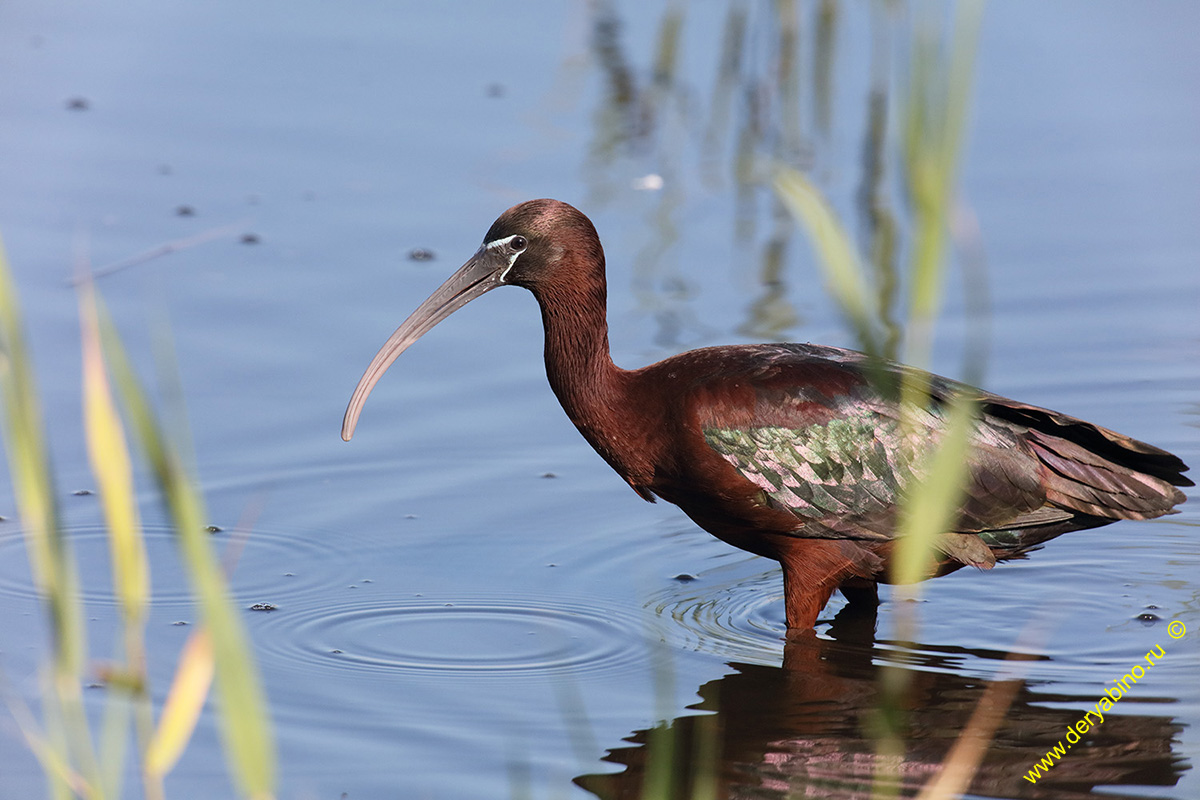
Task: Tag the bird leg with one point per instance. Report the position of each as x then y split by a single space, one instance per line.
813 569
861 593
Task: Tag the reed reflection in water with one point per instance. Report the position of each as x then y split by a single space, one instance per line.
813 726
772 102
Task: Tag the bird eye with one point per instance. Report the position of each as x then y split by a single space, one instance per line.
518 243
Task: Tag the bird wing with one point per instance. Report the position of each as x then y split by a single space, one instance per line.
822 433
845 468
822 437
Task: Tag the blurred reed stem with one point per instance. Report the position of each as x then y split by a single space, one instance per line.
933 125
76 765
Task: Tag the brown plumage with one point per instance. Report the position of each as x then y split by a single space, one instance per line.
794 452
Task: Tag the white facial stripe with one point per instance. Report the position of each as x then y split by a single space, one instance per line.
512 258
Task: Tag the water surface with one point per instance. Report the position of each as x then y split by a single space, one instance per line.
467 602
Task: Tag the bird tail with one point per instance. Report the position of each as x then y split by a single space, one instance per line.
1135 483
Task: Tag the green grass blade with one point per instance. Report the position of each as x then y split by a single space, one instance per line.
935 125
932 504
29 464
245 723
837 256
49 557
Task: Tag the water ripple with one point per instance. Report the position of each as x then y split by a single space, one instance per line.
272 565
731 615
451 636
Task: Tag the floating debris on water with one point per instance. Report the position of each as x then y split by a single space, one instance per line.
648 183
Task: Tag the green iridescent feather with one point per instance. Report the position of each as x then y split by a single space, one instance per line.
854 467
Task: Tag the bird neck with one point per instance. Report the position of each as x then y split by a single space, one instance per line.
598 396
578 364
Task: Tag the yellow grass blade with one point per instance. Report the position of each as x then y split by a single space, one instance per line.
963 760
51 757
112 469
193 677
245 722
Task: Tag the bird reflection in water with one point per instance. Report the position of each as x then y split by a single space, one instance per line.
805 729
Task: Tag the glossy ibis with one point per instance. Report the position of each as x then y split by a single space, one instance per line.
791 451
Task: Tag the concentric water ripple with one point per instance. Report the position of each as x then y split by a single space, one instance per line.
731 615
272 566
451 636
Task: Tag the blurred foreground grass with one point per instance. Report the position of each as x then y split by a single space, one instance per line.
82 757
933 109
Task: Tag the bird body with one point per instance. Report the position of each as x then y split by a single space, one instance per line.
801 453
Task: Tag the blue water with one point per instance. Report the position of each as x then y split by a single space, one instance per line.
452 622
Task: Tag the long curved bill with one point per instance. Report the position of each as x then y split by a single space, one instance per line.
484 272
